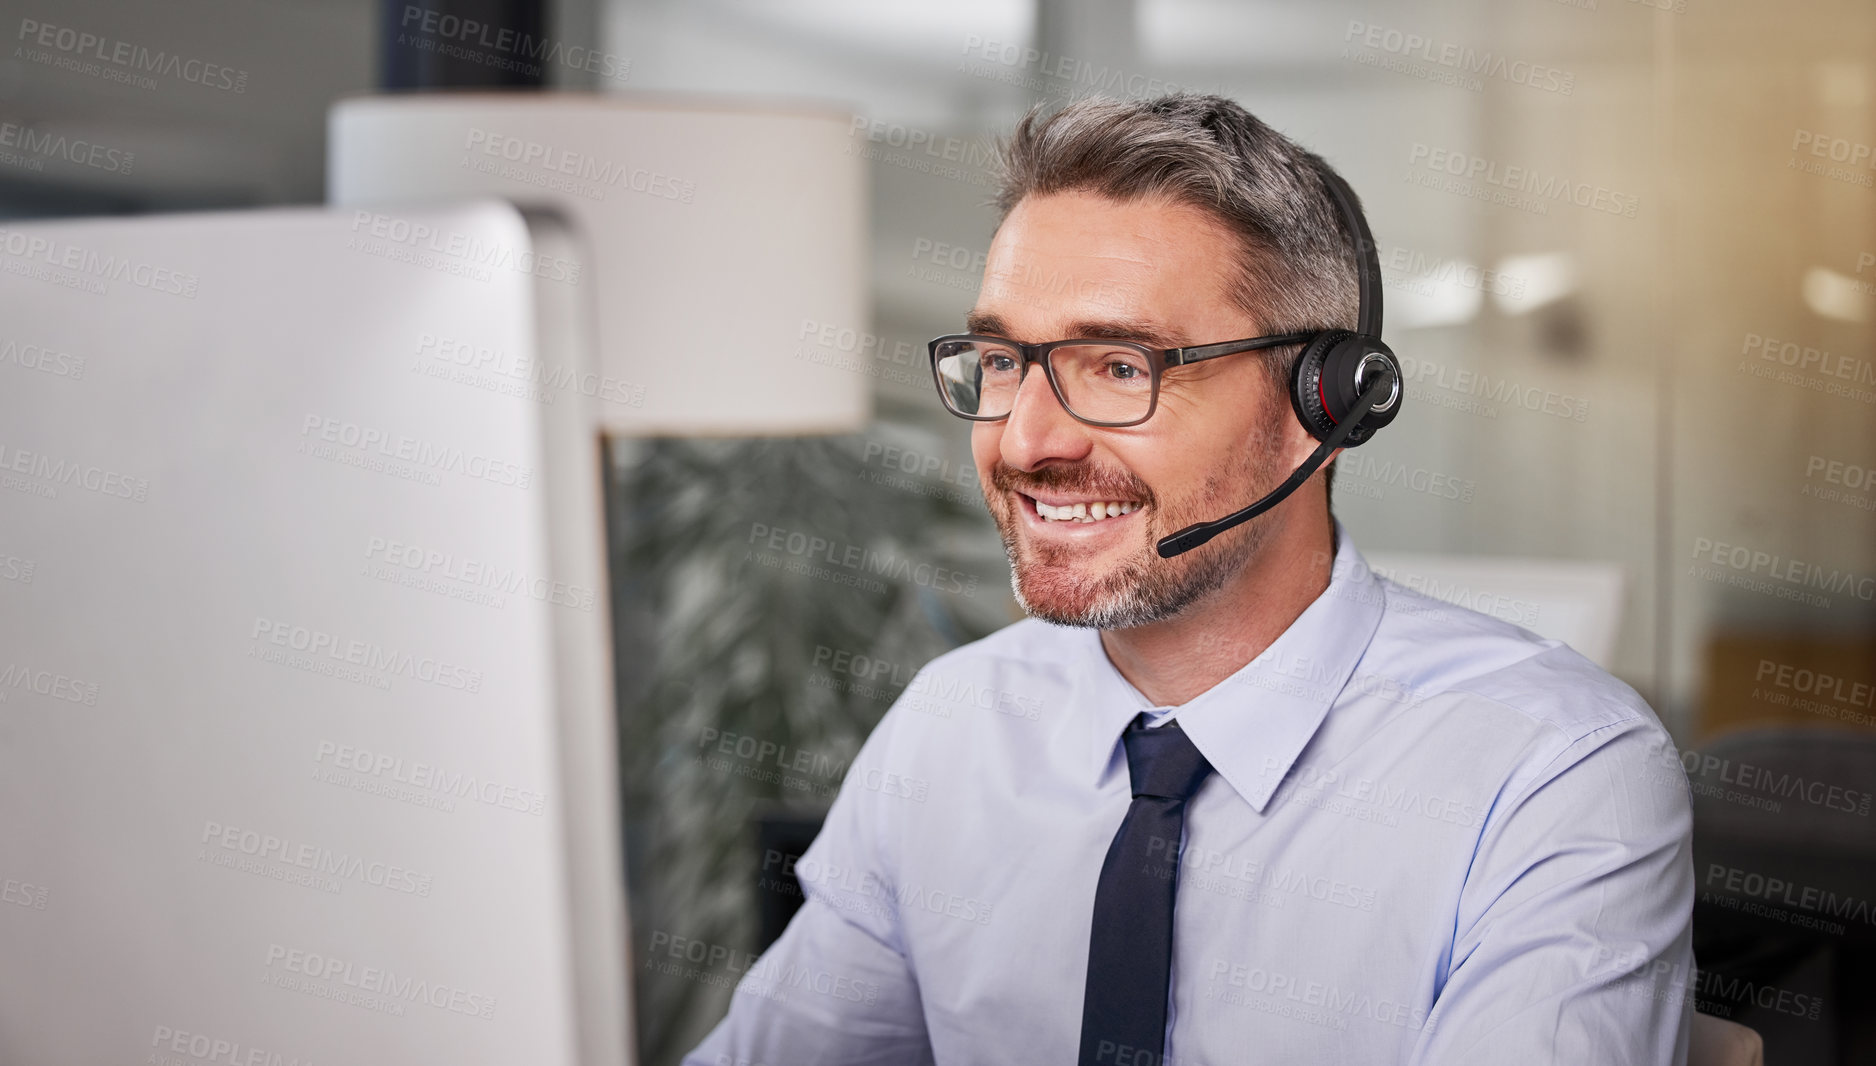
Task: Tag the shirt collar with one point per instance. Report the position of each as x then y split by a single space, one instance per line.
1252 725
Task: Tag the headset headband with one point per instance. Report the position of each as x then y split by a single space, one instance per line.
1367 258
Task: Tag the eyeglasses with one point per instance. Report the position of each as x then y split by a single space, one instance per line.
1101 383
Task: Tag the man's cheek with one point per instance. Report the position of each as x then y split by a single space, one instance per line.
985 438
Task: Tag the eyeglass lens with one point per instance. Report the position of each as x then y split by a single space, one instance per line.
1103 383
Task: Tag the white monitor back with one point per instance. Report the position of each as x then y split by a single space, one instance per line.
305 744
732 234
1577 602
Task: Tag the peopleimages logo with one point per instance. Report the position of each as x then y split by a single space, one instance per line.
578 165
221 842
1796 572
1056 72
130 60
1411 266
1387 472
389 236
1838 472
317 645
57 145
51 472
320 434
862 560
503 48
40 358
1758 886
430 562
426 776
1809 359
377 980
1458 57
215 1049
756 750
1523 179
94 266
968 153
23 894
1859 158
51 683
1425 375
1694 764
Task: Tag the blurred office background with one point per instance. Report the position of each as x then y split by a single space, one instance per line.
1630 252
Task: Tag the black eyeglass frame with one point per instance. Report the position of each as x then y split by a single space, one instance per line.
1158 360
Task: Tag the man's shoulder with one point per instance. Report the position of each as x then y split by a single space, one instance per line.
1020 672
1452 654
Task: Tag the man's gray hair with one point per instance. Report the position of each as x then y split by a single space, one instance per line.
1297 271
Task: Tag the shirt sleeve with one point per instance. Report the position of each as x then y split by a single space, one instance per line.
836 987
1574 937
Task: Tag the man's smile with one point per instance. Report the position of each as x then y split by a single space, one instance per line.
1076 517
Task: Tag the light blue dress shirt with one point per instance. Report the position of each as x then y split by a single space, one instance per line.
1431 837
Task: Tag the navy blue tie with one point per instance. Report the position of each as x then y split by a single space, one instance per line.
1123 1013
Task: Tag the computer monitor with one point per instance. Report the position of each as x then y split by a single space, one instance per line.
306 742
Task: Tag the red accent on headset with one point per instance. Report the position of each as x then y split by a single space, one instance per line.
1325 402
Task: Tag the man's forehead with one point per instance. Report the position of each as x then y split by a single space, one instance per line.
1084 239
1094 220
1076 259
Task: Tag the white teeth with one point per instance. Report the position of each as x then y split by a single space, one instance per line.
1085 512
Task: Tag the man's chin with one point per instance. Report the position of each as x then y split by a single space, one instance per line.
1071 586
1053 610
1078 592
1121 589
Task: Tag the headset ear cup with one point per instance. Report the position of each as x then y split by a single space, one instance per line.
1306 391
1325 385
1342 379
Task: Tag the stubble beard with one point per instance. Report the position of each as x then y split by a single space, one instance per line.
1052 582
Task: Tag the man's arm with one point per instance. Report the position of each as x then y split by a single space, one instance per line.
824 992
836 986
1574 938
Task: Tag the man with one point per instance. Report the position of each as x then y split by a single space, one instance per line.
1250 803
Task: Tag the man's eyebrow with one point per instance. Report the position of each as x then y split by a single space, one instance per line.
1152 334
985 322
1149 333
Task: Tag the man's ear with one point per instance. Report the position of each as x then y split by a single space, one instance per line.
1299 445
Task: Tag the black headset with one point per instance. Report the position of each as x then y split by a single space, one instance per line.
1346 384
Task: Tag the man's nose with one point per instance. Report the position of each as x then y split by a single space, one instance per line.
1039 427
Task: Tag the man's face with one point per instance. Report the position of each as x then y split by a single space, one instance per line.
1080 265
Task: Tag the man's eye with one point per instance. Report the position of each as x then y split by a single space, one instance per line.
1123 371
1001 362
